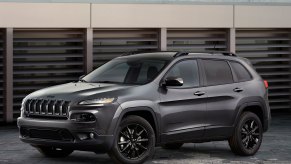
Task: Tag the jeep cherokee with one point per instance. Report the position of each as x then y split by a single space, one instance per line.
133 103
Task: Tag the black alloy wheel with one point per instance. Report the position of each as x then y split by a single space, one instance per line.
247 136
134 142
250 134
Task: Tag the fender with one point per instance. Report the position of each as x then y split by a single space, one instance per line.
249 101
140 105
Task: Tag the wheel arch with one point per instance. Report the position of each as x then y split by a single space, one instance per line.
142 111
255 106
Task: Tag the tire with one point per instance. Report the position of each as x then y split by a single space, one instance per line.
172 146
134 142
53 152
247 136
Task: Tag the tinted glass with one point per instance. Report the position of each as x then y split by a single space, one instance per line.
241 72
188 71
217 72
126 71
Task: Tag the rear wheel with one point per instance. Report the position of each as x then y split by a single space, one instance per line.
53 152
248 135
172 146
134 142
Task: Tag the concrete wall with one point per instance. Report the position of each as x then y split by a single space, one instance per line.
77 15
270 2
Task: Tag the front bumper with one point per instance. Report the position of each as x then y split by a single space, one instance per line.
45 132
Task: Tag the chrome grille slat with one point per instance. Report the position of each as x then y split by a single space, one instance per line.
46 108
61 108
54 107
40 105
29 103
32 106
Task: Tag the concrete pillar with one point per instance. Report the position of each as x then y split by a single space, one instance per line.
163 39
88 58
8 75
231 40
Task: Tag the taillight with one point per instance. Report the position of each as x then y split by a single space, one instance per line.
266 83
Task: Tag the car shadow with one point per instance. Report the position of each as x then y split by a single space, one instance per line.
198 152
204 153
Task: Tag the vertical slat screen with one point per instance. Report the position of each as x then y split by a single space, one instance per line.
45 57
197 40
1 74
111 43
269 50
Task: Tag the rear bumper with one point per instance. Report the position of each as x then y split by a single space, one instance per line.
63 134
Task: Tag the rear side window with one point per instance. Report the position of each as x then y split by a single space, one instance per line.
217 72
240 71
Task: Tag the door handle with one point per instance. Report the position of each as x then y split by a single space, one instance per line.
237 89
199 93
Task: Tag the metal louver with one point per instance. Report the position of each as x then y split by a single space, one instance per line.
1 75
269 50
197 40
45 57
111 43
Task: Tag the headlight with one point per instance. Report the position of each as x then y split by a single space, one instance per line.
97 101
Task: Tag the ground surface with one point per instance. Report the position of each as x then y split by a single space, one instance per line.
276 148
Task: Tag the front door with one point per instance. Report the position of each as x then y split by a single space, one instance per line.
183 108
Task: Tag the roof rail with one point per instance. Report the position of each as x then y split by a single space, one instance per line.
181 54
228 54
130 53
225 53
137 52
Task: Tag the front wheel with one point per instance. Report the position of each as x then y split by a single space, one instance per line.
134 142
53 152
248 135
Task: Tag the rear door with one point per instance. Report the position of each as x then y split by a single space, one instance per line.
222 97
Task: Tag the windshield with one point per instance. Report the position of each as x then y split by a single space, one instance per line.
126 71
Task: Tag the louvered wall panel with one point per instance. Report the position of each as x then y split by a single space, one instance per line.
1 74
269 50
45 57
111 43
197 40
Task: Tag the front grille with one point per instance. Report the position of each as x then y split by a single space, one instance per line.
42 108
49 134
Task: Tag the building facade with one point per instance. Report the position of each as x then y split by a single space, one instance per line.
54 42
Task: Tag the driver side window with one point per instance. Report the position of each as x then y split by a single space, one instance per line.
188 71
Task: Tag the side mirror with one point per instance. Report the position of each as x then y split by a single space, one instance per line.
173 81
81 77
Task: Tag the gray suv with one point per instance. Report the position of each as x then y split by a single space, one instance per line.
134 103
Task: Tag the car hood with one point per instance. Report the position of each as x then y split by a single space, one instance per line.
79 90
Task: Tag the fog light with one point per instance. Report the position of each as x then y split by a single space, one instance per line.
82 117
83 136
86 136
